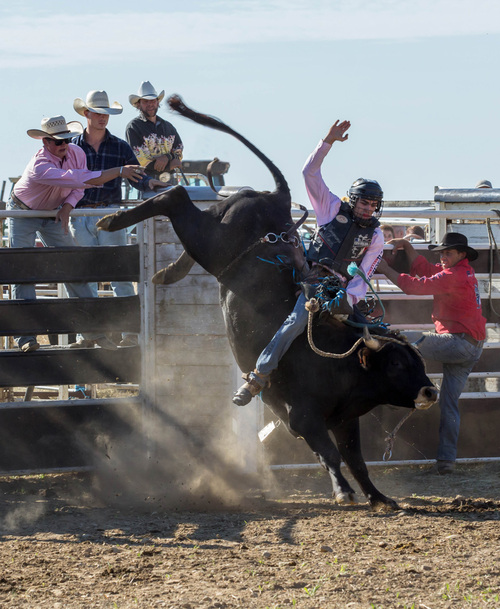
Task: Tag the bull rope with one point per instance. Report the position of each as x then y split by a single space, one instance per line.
389 440
313 307
325 353
353 270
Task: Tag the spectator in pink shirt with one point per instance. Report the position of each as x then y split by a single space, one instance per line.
55 179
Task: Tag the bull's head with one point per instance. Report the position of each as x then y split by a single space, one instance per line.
427 395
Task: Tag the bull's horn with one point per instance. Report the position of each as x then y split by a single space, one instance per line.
370 342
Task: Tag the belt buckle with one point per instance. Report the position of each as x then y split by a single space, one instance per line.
17 202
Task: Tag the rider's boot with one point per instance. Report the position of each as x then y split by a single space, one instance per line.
255 383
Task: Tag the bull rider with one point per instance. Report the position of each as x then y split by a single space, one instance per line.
348 231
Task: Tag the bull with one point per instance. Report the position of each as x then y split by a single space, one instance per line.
244 241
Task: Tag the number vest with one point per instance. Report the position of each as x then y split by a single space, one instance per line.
341 241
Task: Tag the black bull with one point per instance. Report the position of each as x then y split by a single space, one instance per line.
312 395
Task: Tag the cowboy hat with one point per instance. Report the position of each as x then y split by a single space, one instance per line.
483 184
98 102
56 128
146 91
455 241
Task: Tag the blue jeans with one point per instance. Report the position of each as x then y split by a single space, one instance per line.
86 234
23 233
458 357
292 327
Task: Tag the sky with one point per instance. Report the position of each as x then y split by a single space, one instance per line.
418 79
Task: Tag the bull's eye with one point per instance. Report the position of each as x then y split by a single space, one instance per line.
397 364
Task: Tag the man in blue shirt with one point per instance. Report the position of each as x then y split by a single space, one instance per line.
103 151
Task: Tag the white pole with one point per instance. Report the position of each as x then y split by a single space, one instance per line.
387 463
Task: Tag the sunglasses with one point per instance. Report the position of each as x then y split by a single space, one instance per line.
57 142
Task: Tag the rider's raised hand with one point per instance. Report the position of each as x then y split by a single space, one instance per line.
337 132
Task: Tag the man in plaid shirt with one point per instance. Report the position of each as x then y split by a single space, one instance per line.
104 150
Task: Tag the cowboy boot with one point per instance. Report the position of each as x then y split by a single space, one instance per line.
255 383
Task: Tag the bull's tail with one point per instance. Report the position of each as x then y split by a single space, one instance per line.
178 105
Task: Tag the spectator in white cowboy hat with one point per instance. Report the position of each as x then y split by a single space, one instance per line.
155 141
104 150
460 325
483 184
55 178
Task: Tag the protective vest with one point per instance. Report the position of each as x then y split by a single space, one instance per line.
341 241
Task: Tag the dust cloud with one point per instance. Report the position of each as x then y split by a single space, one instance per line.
162 460
29 512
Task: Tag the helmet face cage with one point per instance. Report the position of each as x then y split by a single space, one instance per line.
366 189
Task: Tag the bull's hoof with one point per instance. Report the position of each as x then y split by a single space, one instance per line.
107 222
384 504
175 271
346 498
168 275
242 397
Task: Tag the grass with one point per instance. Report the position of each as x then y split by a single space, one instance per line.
312 591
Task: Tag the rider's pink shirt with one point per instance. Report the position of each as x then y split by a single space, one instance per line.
327 205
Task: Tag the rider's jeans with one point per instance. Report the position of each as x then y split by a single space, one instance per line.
458 357
292 327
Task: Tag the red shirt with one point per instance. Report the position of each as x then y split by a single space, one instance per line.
457 304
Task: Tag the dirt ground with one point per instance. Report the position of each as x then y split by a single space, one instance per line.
289 545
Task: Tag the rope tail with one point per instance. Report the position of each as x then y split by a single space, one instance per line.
177 104
353 269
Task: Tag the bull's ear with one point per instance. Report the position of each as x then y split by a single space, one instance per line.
364 355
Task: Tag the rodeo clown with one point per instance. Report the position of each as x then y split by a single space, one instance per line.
347 232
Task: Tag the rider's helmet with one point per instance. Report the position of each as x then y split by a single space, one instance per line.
364 188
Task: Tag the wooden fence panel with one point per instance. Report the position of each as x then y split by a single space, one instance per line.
189 319
202 292
55 366
67 264
34 438
189 350
69 315
34 435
